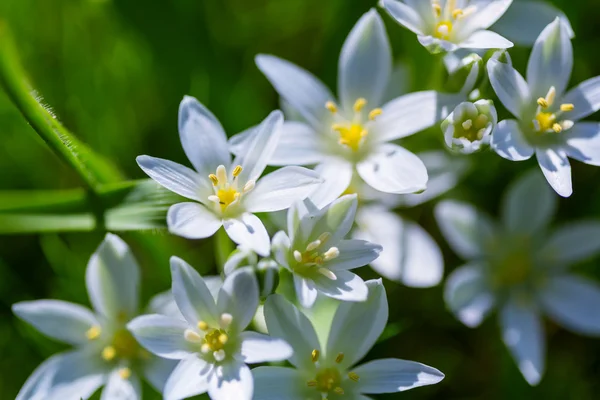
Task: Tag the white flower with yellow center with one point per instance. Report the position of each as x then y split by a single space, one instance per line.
547 118
210 341
354 133
105 353
328 370
449 25
469 127
226 193
521 267
315 252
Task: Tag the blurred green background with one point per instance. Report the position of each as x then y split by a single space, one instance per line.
114 72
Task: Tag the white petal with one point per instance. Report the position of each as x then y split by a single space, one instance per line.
465 228
524 20
337 219
234 382
366 320
286 322
306 291
301 89
573 302
353 254
189 378
79 374
467 294
486 40
164 303
191 294
557 170
258 348
239 297
280 189
487 13
406 16
299 144
509 142
280 246
118 388
529 204
163 336
336 174
176 177
346 287
509 85
571 243
435 45
583 142
551 61
365 63
250 232
37 386
276 383
192 221
259 149
391 375
523 334
157 370
202 137
585 97
407 115
60 320
113 279
393 169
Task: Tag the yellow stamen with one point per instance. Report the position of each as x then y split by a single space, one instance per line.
351 136
567 107
557 128
330 105
226 320
223 338
93 333
353 376
359 104
109 353
213 179
237 170
192 336
323 237
376 112
125 373
437 9
545 121
339 358
203 326
551 95
542 102
311 383
314 356
338 390
457 13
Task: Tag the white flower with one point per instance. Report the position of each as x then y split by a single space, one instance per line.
547 121
469 127
449 25
316 253
105 352
354 134
226 193
520 267
210 342
328 370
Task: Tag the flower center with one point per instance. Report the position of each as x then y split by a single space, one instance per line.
313 257
547 120
352 133
447 17
329 379
472 129
215 339
443 30
514 267
226 189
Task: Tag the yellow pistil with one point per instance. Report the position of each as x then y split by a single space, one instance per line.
125 373
545 121
353 376
227 196
314 355
328 379
351 136
93 333
443 30
216 339
109 353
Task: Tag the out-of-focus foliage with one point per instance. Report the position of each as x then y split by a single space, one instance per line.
114 72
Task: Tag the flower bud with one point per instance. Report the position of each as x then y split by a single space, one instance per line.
467 74
267 273
469 127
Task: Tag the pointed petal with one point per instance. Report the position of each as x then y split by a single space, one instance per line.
337 219
392 375
189 378
286 322
160 335
280 189
250 232
407 16
157 370
571 243
305 291
557 170
585 97
529 204
233 382
509 142
79 374
573 301
365 63
488 12
302 90
583 142
346 287
509 85
366 320
523 334
353 254
202 137
393 169
118 388
336 174
280 246
113 279
239 297
60 320
467 294
192 296
276 383
38 384
485 40
164 303
192 221
466 229
299 144
176 177
258 348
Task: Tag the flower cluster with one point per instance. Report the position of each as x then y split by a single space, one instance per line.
341 177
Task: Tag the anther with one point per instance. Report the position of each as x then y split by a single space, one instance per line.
93 333
376 112
226 320
313 245
437 9
312 383
364 133
567 124
314 355
332 253
223 338
557 128
237 170
339 358
109 353
323 237
481 120
338 390
249 186
551 95
542 102
221 174
205 348
192 336
359 104
214 198
297 256
213 178
353 376
567 107
457 13
125 373
219 355
331 107
203 326
467 124
338 127
327 273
